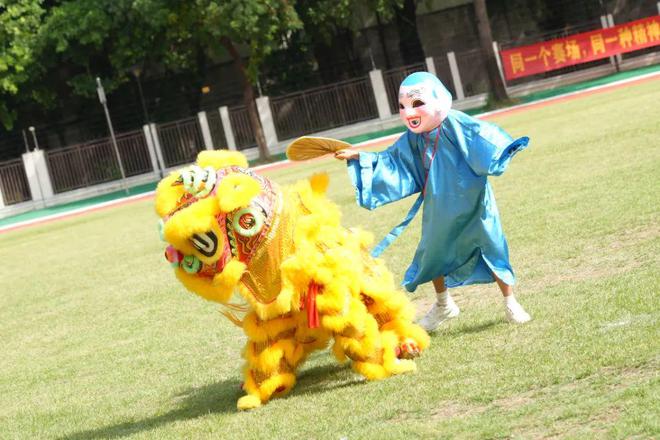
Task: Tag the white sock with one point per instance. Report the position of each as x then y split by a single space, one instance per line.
514 311
510 301
443 298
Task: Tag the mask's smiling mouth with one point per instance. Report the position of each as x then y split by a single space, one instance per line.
414 122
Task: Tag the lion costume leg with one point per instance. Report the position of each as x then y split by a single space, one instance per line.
393 311
272 355
358 336
394 314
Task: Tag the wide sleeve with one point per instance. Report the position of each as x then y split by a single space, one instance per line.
387 176
486 147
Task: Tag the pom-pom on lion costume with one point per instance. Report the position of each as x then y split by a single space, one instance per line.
305 278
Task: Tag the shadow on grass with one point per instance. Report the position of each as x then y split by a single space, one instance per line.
322 378
216 398
221 397
475 328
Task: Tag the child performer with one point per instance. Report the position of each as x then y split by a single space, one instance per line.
446 156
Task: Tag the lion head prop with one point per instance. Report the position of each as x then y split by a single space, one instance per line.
305 280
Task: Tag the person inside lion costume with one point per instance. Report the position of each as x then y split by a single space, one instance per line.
305 280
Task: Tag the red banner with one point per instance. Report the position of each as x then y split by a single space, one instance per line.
580 48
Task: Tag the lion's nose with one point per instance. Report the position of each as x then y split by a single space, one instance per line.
173 256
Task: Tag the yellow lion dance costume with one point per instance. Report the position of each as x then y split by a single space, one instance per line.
305 278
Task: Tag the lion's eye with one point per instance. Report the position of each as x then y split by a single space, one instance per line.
248 221
205 243
418 103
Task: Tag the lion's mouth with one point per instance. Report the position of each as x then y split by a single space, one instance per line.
206 243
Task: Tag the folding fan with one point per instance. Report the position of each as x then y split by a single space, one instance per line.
309 147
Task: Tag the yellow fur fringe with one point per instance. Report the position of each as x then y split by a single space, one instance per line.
235 191
221 159
358 303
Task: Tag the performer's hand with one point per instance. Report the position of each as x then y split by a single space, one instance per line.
346 154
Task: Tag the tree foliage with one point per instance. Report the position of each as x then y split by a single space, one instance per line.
82 39
322 50
50 49
259 25
322 19
19 25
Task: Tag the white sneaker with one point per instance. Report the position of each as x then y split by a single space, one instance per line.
516 314
439 314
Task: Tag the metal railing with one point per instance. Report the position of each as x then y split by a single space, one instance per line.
134 153
13 182
180 141
473 71
95 162
393 78
307 111
587 26
240 125
443 72
322 108
538 37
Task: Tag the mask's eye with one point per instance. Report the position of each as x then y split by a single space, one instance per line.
205 243
400 106
418 103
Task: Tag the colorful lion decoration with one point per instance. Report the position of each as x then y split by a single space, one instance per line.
305 280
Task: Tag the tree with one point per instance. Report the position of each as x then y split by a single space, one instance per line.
51 50
19 23
486 42
330 25
406 23
259 25
107 37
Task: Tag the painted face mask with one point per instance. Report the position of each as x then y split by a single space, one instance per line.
424 102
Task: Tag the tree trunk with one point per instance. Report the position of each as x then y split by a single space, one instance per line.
410 47
255 122
486 41
248 99
383 46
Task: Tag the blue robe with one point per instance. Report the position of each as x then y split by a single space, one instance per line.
462 237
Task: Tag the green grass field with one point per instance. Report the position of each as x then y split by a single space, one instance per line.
100 341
